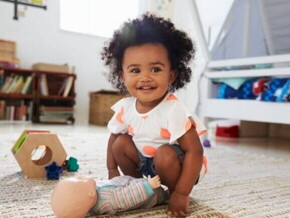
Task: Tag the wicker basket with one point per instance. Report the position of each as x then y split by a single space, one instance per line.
100 106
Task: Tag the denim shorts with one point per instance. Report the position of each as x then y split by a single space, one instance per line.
146 164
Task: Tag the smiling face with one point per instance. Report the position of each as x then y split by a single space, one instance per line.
147 73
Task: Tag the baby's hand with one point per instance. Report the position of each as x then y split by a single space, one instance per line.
154 182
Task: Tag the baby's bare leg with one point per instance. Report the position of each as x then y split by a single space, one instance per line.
167 166
126 156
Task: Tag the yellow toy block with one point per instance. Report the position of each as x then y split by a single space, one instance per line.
36 149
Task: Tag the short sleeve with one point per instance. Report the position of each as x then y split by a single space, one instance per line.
117 124
180 120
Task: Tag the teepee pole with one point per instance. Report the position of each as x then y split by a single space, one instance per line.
269 42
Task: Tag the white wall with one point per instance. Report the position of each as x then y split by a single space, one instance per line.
39 39
183 19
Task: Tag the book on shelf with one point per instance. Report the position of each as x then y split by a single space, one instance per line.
29 111
18 86
68 86
1 77
7 83
11 112
55 108
43 85
12 84
62 88
2 109
26 85
56 119
16 111
56 113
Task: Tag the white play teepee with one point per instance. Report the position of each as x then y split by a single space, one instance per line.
254 28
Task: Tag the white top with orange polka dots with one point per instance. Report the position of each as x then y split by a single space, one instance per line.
164 124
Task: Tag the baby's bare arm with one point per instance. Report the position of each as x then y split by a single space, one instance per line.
111 162
179 198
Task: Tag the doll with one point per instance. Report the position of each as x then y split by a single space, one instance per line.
75 197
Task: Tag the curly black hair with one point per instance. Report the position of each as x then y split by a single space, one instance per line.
149 29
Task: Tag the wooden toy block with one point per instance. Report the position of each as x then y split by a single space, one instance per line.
46 144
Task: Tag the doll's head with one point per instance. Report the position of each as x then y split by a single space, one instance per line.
74 197
158 34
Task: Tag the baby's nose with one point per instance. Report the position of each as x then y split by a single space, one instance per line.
146 79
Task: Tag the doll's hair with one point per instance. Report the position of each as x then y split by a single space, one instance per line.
149 29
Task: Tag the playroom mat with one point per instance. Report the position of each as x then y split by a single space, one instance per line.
238 184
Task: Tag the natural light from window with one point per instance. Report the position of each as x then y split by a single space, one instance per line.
96 17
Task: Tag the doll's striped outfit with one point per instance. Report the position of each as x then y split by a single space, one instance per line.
123 193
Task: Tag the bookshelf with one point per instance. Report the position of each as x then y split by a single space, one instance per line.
16 94
37 96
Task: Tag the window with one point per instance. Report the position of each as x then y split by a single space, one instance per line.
96 17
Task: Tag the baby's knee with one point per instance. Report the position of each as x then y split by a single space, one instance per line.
164 156
120 142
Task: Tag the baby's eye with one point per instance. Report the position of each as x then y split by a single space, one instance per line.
156 69
135 70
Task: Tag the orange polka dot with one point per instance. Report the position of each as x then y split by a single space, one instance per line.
171 97
145 117
149 150
188 125
204 162
120 115
130 130
164 133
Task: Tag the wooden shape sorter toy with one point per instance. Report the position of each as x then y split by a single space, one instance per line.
35 149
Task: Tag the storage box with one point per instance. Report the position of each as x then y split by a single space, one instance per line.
100 106
5 56
7 46
8 54
51 67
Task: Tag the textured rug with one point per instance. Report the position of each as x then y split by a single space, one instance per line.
238 184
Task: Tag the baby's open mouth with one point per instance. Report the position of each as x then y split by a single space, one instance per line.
146 88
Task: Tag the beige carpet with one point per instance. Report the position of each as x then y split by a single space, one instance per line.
238 184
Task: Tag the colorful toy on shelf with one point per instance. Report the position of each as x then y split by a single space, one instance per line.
259 86
53 171
36 149
244 91
274 88
284 94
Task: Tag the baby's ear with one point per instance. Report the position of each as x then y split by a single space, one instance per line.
121 73
173 75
